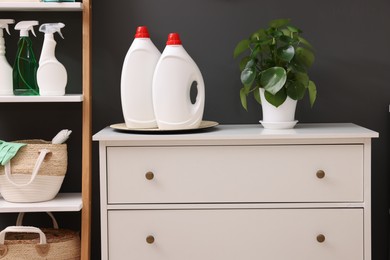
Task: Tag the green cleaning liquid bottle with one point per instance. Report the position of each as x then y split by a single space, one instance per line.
25 66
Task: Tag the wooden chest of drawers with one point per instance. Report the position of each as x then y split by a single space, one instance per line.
237 192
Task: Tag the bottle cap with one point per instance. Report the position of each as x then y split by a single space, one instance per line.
142 32
173 39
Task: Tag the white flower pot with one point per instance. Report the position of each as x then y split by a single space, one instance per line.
282 117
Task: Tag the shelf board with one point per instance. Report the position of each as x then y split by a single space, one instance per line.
40 99
40 6
63 202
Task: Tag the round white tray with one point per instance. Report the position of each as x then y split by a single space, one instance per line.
203 125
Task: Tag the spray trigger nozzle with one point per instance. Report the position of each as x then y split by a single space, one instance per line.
25 26
4 24
33 32
52 28
59 32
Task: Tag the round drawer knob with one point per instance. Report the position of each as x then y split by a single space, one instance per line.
149 176
321 238
320 174
150 239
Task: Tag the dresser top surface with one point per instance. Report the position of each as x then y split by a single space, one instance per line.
245 132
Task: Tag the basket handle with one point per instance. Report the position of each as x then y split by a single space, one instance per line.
42 248
21 229
19 220
37 166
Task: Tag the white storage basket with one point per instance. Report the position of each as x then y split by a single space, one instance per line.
36 173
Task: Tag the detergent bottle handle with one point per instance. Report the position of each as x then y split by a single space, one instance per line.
197 107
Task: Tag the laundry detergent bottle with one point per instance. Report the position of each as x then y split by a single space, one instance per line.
136 81
25 65
6 88
176 73
51 76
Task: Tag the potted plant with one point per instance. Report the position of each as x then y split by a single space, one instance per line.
276 71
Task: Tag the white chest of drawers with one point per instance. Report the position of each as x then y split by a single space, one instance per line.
237 192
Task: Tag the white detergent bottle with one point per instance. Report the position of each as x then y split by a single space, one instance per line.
6 87
136 81
52 76
176 73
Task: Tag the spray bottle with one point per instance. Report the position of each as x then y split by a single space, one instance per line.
25 66
51 76
5 68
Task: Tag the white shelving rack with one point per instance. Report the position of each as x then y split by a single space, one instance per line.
41 6
39 99
65 202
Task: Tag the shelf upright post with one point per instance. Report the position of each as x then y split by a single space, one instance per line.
86 133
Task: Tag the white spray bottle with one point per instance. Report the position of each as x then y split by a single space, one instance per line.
51 76
6 88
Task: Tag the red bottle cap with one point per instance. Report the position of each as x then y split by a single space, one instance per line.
173 39
142 32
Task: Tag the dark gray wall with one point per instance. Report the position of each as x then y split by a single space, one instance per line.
352 42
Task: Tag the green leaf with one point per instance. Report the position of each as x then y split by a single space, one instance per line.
286 32
305 42
247 89
295 90
268 63
260 35
256 95
286 53
294 29
243 98
277 99
273 79
286 39
296 66
255 51
248 75
251 63
265 43
277 33
305 57
241 47
244 62
302 77
279 23
312 92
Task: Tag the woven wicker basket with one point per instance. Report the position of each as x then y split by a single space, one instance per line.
36 172
31 243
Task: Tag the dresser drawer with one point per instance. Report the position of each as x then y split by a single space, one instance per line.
232 234
212 174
